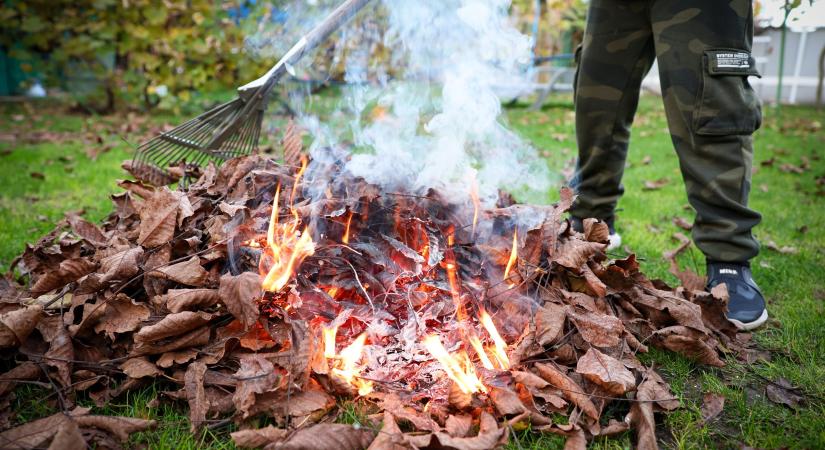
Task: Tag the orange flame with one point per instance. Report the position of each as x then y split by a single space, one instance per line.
513 256
454 290
285 244
458 367
476 203
499 348
482 354
345 239
348 368
329 341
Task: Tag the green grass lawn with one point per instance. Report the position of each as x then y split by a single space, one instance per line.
45 171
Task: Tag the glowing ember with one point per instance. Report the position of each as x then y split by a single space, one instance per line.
513 257
458 367
499 349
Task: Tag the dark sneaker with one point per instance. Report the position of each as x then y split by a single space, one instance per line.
746 307
615 238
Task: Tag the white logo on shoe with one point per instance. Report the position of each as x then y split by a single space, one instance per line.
728 271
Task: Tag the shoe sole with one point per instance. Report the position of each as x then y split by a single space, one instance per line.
615 242
751 325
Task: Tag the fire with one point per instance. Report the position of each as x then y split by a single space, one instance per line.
458 367
347 361
499 348
513 256
476 203
329 341
345 239
482 354
452 277
286 246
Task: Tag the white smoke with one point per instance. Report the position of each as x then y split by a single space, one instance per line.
446 134
440 124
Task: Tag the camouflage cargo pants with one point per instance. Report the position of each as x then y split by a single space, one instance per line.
703 50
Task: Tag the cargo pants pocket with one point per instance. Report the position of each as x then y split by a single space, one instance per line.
726 103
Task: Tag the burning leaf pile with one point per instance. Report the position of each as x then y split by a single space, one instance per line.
271 290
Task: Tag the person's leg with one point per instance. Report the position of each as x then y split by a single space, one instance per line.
703 48
616 54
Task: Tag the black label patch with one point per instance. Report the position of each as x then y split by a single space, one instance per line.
730 62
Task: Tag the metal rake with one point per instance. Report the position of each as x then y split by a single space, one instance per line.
233 128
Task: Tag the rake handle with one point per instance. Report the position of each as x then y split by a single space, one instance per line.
254 93
307 43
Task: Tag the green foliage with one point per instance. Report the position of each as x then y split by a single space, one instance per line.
134 52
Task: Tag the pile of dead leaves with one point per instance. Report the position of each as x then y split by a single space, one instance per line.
166 291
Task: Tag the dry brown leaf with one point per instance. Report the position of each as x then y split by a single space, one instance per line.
549 323
256 375
682 223
121 266
598 329
32 434
712 406
195 394
172 325
177 300
15 326
489 436
458 425
293 144
169 359
119 426
783 392
69 270
576 440
641 416
68 437
259 437
606 371
158 257
573 253
139 367
393 404
61 355
655 185
23 372
569 389
159 216
327 436
120 314
596 231
86 230
689 343
506 401
240 294
195 338
189 272
391 438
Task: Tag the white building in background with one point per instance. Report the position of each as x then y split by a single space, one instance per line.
800 74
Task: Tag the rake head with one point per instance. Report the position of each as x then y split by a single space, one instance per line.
225 131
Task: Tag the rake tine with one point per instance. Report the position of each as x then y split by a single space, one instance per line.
233 128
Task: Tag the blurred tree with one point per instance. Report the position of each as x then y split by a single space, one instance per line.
114 53
561 24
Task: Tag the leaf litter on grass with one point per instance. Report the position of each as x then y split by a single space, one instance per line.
155 293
